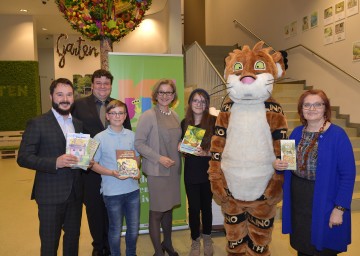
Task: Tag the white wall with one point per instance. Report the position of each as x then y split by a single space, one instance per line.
268 19
19 30
74 65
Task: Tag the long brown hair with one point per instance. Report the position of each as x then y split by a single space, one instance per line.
206 123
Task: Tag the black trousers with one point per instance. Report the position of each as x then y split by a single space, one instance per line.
56 217
200 201
96 211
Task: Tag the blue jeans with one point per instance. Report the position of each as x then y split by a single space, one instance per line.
118 207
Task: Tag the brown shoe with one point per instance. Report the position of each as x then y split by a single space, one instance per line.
208 245
195 247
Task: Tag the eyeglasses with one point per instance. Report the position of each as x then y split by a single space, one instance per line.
106 84
161 93
116 113
316 105
196 102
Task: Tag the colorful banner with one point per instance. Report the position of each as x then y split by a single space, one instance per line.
134 77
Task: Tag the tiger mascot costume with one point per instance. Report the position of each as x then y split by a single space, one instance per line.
245 144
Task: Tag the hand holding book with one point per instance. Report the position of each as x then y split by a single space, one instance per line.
127 164
192 140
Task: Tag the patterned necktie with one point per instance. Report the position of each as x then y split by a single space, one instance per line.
102 113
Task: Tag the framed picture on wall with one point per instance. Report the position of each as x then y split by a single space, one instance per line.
339 11
328 34
293 28
314 19
305 23
328 15
352 7
286 31
356 51
339 31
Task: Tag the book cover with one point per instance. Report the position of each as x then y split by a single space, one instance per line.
192 139
127 164
288 153
81 146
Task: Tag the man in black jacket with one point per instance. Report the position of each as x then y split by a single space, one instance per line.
91 111
57 188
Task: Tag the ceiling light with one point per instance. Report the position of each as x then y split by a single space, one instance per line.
23 10
44 29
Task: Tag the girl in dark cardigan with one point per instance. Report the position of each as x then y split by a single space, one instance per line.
197 184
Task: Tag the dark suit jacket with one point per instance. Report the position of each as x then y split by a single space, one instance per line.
42 143
86 111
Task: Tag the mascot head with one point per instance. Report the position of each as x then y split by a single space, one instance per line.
250 74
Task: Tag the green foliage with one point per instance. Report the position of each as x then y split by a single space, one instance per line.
82 85
99 19
19 93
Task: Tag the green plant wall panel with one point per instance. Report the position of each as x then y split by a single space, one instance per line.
19 94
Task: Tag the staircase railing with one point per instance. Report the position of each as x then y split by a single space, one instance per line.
201 73
302 46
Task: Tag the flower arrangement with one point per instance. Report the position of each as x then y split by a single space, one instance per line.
98 19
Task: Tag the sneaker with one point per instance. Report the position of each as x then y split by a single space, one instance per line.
208 245
195 247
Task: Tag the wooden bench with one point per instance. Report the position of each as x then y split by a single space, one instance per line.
9 143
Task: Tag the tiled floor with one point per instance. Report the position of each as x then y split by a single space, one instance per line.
19 223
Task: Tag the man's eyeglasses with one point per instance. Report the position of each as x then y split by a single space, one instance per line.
103 84
196 102
116 113
316 105
161 93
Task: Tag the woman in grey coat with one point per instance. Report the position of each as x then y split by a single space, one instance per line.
157 136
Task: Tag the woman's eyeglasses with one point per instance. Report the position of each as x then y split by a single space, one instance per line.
196 102
316 105
161 93
116 113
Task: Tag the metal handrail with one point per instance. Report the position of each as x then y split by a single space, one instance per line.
252 33
303 46
327 61
213 82
209 61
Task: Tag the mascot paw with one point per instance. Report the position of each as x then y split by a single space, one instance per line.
223 198
229 205
219 192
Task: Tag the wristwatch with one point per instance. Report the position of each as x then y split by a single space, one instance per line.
340 208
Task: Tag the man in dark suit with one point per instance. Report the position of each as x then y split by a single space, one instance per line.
91 111
57 188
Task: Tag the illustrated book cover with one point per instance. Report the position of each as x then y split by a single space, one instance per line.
126 162
288 153
192 139
81 146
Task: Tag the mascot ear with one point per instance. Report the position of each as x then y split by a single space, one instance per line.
280 59
284 56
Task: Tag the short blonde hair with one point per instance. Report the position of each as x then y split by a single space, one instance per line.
157 86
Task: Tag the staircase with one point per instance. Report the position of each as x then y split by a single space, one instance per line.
217 55
287 95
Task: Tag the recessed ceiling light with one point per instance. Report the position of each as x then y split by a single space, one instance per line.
44 29
23 10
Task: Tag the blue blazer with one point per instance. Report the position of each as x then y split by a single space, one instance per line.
334 185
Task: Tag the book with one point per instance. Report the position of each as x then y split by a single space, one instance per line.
81 146
192 139
127 164
288 153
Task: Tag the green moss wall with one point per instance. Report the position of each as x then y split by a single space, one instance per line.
19 94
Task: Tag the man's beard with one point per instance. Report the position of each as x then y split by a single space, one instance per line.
62 112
